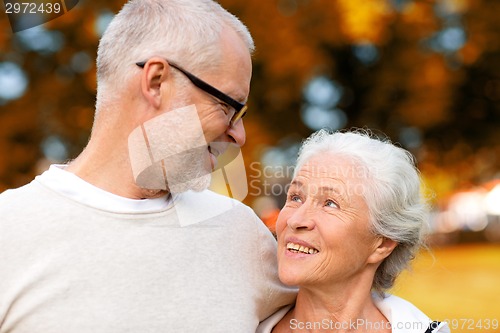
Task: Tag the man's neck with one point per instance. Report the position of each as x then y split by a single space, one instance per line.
107 166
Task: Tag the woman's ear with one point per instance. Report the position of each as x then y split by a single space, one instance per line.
384 247
155 73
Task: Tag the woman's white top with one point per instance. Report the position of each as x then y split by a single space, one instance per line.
403 317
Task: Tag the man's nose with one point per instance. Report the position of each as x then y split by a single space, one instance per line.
237 133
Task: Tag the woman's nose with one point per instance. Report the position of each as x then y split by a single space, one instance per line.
302 218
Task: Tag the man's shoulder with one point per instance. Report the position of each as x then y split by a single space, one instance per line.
195 207
209 195
11 197
29 202
21 206
210 203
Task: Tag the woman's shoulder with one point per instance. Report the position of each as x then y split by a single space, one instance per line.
406 317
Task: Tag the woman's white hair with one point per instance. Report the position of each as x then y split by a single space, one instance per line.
183 31
397 208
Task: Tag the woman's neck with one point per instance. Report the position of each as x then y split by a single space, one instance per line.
349 310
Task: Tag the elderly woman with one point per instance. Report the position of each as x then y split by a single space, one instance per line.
353 219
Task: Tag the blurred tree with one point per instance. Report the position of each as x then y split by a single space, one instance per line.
427 73
424 72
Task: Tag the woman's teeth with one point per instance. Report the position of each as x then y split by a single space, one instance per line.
296 248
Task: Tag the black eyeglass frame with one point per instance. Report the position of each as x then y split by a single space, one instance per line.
241 109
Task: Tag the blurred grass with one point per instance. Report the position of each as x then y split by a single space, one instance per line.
460 284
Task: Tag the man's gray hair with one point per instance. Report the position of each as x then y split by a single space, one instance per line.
183 31
397 208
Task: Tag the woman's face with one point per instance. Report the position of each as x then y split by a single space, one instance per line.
323 229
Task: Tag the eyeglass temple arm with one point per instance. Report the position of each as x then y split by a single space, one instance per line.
204 86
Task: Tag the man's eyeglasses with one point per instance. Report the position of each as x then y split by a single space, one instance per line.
240 109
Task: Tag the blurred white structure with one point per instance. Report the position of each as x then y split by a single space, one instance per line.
475 210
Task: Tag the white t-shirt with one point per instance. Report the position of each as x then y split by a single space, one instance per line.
79 190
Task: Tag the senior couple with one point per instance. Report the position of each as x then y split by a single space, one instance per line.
126 238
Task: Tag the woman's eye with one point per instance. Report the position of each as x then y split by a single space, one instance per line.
295 198
331 204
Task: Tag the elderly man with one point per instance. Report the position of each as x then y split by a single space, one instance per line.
116 241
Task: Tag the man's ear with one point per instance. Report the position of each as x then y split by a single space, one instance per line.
155 73
384 247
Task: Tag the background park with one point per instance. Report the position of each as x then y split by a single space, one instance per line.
425 73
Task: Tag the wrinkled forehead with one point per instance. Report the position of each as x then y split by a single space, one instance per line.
343 178
331 166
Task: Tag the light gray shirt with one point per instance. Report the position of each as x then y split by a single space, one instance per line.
74 258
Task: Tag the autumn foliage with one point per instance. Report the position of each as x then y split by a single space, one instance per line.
428 68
